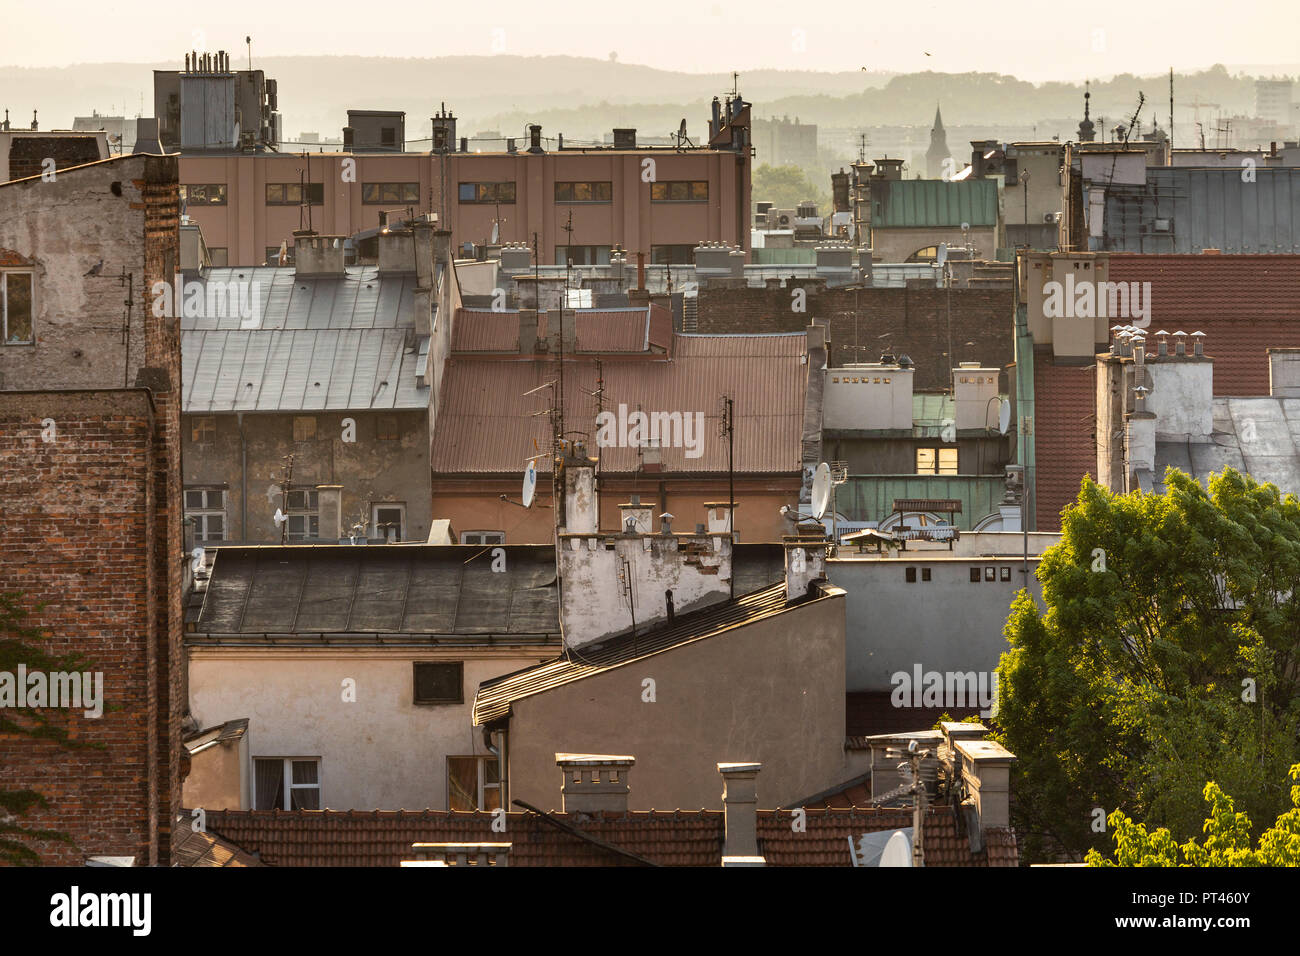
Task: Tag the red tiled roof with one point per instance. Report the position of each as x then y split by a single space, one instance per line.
825 841
487 425
670 838
1244 304
482 330
384 838
1064 441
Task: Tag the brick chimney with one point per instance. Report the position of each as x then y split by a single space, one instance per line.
595 783
740 807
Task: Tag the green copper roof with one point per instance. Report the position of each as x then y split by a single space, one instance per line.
911 203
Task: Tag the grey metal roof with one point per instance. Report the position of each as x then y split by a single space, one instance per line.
1206 209
1258 436
319 343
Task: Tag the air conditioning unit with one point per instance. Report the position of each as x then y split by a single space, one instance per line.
1051 217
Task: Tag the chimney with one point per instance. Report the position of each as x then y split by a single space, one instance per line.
348 136
1284 373
535 139
594 783
581 505
146 136
1181 396
1180 342
740 808
430 246
315 255
975 390
666 523
640 516
805 562
444 130
397 250
721 519
986 772
527 331
458 854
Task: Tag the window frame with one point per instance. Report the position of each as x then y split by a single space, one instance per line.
483 785
198 429
377 506
372 194
307 512
200 514
493 196
687 186
464 535
593 189
187 195
417 701
303 419
4 306
287 781
312 190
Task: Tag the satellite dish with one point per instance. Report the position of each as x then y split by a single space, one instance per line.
1004 417
942 256
530 484
898 851
279 517
821 490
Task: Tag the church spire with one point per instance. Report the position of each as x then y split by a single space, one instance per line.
937 155
1087 129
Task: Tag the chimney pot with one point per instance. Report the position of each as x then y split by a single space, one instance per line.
1198 343
666 523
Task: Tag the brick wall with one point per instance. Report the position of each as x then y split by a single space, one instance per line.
75 518
914 321
97 513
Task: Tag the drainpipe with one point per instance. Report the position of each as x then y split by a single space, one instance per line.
243 479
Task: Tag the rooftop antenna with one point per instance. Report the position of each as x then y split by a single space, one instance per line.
729 432
249 41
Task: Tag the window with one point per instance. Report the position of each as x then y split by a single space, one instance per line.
486 192
386 428
680 191
439 682
16 306
974 575
304 428
388 135
390 192
207 195
944 458
925 574
206 508
482 537
584 192
291 194
990 574
1006 573
390 520
672 255
203 429
473 783
287 783
910 575
303 513
220 256
582 255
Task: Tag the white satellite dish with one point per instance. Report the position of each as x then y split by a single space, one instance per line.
942 256
1004 417
279 517
898 851
821 490
530 484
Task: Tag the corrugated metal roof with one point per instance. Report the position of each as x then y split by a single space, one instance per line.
1270 453
1206 209
908 203
486 424
495 696
612 330
327 369
379 590
484 330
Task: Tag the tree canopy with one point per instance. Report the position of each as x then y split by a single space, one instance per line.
1167 656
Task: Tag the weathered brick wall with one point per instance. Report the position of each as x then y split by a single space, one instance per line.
914 321
27 154
75 517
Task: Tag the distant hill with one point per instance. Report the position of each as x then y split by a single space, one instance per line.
585 98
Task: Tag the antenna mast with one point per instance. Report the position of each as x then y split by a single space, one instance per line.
729 432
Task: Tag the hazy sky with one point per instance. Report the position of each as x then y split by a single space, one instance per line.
1033 41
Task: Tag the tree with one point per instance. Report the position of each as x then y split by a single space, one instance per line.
1167 655
17 647
788 186
1227 838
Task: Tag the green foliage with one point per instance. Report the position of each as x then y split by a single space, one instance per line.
17 646
787 186
1167 655
1227 838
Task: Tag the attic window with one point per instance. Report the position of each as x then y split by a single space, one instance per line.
439 682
